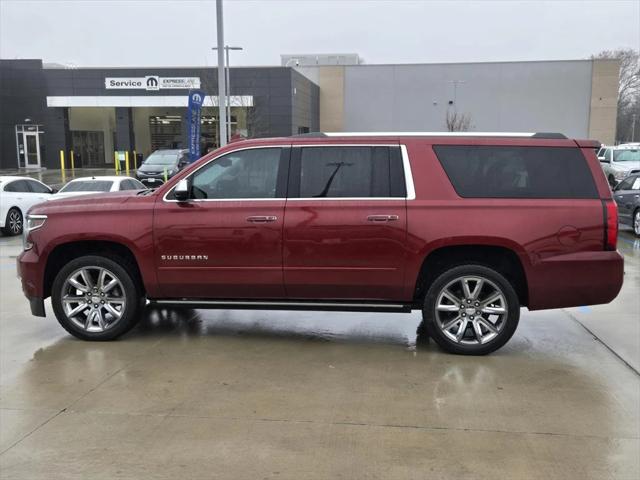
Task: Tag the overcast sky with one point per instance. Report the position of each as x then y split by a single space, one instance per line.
180 33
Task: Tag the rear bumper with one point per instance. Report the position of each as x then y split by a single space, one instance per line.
585 278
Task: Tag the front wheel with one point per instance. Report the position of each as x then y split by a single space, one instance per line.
13 222
471 310
95 298
636 222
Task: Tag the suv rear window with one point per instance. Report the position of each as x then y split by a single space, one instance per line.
517 172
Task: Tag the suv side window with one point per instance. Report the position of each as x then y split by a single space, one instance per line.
517 172
19 186
608 154
243 174
350 172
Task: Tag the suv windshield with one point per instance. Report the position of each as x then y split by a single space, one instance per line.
162 158
626 155
87 186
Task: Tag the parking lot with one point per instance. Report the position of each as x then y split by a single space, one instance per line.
255 394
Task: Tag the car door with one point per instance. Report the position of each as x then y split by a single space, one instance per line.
225 242
18 194
38 192
625 196
345 223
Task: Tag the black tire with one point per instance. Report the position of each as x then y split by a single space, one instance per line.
14 222
117 268
612 182
504 325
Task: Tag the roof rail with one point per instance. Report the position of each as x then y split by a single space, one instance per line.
542 135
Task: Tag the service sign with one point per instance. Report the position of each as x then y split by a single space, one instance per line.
151 82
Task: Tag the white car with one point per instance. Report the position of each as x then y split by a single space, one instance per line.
620 162
17 196
87 185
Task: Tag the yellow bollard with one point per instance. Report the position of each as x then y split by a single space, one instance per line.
64 178
126 161
116 162
165 174
135 160
73 164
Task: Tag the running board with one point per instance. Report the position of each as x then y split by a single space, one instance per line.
284 305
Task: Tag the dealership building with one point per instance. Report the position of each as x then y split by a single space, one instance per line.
45 109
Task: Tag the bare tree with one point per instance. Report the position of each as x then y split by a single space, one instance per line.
628 90
457 122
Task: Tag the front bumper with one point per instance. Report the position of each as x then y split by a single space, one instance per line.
152 180
31 273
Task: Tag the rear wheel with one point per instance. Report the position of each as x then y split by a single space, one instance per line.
13 223
95 298
471 310
636 222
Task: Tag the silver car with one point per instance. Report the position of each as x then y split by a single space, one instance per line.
620 162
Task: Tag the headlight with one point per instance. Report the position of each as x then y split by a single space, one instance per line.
33 222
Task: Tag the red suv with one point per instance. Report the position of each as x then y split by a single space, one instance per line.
467 228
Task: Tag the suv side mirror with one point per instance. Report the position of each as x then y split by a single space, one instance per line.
603 160
181 192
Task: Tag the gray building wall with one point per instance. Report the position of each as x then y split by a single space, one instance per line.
514 96
306 104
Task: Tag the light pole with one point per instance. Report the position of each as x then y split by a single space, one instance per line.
228 85
633 128
222 113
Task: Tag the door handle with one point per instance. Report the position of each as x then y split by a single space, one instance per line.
262 219
382 218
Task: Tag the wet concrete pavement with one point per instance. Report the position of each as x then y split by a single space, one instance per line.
245 395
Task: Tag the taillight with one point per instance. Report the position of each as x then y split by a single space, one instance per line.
610 224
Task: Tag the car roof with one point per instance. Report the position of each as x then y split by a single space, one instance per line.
543 135
169 150
9 178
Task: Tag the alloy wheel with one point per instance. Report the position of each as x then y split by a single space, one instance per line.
15 222
471 310
93 298
636 223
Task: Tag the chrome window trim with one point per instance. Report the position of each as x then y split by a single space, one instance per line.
406 164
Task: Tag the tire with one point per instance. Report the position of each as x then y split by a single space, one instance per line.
636 222
14 222
106 314
612 182
456 329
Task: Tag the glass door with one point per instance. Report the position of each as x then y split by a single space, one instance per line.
31 150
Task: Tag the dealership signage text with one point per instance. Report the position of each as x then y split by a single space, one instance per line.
151 82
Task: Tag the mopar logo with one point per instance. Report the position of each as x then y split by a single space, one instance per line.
152 83
196 98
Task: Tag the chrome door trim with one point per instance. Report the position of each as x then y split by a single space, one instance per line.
266 303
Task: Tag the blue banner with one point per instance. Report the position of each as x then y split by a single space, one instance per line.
196 98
